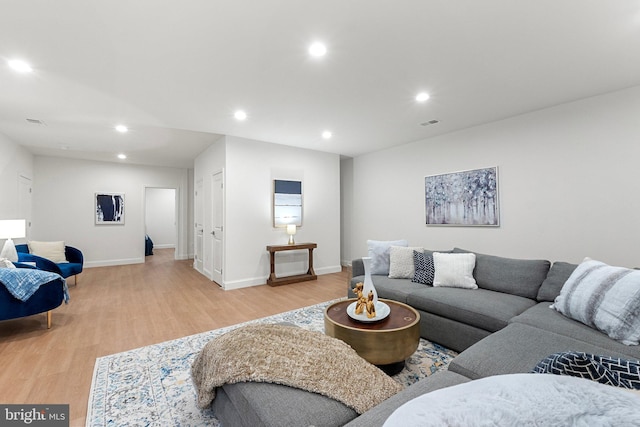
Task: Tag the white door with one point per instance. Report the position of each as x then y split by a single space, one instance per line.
199 226
24 202
217 198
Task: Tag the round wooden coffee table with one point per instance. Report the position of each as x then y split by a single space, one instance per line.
385 343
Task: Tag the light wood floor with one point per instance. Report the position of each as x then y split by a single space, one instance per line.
113 309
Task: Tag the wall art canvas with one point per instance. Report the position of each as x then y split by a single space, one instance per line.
287 203
109 208
467 198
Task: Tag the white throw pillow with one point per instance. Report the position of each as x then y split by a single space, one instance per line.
401 264
604 297
379 253
53 251
454 270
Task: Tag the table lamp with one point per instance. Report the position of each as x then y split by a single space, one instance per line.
11 229
291 230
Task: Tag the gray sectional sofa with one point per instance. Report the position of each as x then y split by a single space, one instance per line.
504 327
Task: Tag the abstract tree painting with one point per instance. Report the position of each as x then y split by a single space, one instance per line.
467 198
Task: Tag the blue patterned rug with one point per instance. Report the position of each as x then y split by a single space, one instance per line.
151 386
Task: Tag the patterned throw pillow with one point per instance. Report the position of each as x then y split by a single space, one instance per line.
604 297
401 265
605 370
424 271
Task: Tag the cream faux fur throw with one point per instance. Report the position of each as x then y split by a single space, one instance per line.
294 357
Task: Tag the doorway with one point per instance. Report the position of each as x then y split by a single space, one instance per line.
161 218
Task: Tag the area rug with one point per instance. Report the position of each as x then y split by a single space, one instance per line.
151 386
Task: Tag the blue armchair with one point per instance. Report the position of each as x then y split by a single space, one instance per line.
48 296
65 269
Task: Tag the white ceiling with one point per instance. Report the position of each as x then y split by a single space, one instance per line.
175 71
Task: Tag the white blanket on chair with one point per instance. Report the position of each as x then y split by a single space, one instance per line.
522 400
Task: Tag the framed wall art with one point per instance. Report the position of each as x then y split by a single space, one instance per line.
467 198
287 203
109 208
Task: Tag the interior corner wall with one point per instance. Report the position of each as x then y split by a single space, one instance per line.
64 207
568 184
251 167
15 161
346 211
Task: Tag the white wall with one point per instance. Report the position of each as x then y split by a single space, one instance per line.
568 182
249 170
63 205
160 216
14 161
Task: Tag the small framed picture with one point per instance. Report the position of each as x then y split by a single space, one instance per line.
287 203
109 208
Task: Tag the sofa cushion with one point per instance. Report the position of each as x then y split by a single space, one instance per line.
377 415
266 404
401 262
379 251
395 289
454 270
558 274
70 269
521 277
543 317
481 308
53 251
604 297
518 348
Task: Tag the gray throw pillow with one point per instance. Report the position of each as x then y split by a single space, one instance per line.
379 251
603 297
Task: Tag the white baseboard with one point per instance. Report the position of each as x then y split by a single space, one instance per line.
112 262
256 281
166 246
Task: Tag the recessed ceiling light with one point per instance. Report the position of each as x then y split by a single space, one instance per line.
122 128
422 97
20 66
122 156
317 49
240 115
327 134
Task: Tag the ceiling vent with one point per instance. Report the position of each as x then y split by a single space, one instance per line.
430 122
35 122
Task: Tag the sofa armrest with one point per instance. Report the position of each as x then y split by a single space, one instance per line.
41 263
73 255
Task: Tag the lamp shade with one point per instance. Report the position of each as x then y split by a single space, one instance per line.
291 230
12 228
